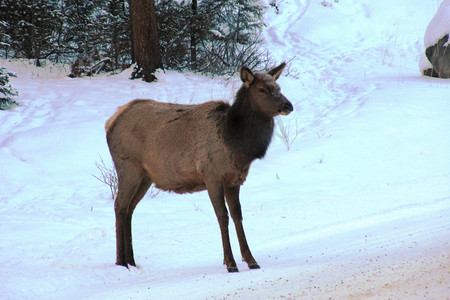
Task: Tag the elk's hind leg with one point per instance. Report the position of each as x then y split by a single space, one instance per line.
133 184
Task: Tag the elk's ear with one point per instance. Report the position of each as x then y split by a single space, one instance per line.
247 76
276 72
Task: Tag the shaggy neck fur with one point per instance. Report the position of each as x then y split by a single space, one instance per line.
248 130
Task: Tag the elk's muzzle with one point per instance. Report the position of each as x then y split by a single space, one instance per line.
286 107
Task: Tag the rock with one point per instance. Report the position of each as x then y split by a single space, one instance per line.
437 44
439 57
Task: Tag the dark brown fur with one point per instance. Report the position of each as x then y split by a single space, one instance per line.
190 148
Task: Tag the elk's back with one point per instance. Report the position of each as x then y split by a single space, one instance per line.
175 144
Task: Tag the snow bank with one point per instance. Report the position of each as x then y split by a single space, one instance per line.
439 25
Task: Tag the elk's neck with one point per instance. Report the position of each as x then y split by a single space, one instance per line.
246 130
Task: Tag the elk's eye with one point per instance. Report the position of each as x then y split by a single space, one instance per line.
263 91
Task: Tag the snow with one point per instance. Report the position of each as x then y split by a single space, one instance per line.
439 26
359 207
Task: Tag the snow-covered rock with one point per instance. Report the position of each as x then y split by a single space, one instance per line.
439 25
437 43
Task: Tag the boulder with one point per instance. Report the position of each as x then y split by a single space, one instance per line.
437 44
439 57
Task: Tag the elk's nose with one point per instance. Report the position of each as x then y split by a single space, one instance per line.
286 109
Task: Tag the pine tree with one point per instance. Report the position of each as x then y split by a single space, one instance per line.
214 36
32 25
98 35
76 35
174 21
6 91
5 39
233 37
116 32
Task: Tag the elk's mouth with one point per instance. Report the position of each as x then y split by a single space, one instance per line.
284 113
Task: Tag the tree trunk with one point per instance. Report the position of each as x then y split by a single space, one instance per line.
145 40
194 22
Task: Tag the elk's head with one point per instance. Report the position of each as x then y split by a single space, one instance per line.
264 93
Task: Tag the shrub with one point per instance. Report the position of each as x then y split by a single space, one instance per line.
6 90
108 176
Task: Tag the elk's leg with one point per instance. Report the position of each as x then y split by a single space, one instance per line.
143 188
132 187
215 191
232 197
121 210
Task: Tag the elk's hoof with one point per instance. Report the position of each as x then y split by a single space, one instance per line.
254 266
233 270
126 265
122 264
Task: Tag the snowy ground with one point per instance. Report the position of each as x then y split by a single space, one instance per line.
359 207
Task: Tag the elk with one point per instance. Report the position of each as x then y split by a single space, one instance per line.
190 148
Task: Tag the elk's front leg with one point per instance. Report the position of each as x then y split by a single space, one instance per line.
232 197
215 191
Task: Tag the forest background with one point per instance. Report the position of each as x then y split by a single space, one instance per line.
209 36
